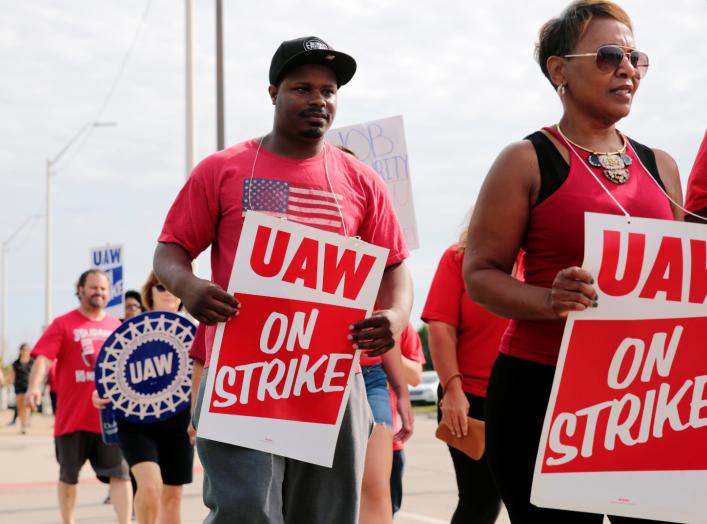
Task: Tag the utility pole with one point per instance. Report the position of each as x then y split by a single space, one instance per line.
220 131
189 87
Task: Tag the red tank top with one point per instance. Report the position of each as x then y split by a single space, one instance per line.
554 240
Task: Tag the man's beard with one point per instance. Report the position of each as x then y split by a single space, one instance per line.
314 132
97 302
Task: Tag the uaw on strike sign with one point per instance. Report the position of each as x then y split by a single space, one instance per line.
626 428
279 370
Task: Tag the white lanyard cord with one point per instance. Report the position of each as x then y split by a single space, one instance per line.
333 193
326 174
644 168
252 172
581 161
665 192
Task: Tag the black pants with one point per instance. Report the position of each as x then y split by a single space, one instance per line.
516 401
396 479
479 501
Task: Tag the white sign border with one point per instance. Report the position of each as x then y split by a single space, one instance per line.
309 442
622 493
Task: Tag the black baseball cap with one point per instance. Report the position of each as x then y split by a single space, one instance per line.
310 50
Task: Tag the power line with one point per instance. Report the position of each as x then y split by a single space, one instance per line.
116 81
121 69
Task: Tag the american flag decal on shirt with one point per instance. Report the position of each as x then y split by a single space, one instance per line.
306 205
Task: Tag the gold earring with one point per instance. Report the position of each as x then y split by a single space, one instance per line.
561 89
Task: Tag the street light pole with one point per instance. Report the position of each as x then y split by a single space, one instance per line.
220 128
3 282
189 80
48 272
49 254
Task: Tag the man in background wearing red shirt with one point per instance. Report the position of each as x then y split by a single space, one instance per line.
73 341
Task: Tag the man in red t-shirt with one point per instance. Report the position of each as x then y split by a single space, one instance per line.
291 173
73 341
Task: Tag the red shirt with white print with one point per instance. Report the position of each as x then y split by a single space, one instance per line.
209 210
73 342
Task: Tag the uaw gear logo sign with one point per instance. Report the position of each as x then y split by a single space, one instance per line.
314 44
144 367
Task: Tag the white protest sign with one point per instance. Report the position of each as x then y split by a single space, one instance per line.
109 258
279 370
625 432
381 145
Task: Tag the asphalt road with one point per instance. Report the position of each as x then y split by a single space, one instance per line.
28 473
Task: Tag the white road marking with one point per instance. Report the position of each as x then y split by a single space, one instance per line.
421 518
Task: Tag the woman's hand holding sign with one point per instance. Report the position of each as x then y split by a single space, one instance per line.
572 290
98 402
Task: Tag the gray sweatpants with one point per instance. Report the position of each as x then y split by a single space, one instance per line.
243 485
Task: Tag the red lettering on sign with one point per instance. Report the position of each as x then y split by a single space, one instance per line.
666 273
345 269
698 271
303 265
277 255
339 270
608 281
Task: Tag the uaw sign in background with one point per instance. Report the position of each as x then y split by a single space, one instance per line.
381 145
109 258
626 428
144 367
279 370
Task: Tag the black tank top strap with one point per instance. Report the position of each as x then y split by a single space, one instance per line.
553 167
647 157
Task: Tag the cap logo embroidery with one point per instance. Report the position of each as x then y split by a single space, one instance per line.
315 44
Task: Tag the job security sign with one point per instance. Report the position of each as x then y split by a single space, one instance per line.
626 428
279 370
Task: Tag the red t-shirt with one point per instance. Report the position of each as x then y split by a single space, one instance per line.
410 347
478 331
74 341
197 351
209 209
696 197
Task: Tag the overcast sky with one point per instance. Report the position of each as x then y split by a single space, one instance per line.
461 73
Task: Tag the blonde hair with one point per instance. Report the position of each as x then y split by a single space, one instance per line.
146 291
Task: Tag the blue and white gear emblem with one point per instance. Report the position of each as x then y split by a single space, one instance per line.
144 367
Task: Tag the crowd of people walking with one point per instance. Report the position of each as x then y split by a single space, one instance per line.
496 307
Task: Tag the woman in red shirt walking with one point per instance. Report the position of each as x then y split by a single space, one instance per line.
464 340
534 198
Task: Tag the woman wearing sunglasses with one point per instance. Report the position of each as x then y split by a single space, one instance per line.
160 454
534 198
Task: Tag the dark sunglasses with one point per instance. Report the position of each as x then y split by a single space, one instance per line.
160 288
609 58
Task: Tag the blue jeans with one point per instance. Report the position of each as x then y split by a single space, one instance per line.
378 395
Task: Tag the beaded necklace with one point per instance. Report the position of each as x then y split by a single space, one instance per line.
613 164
